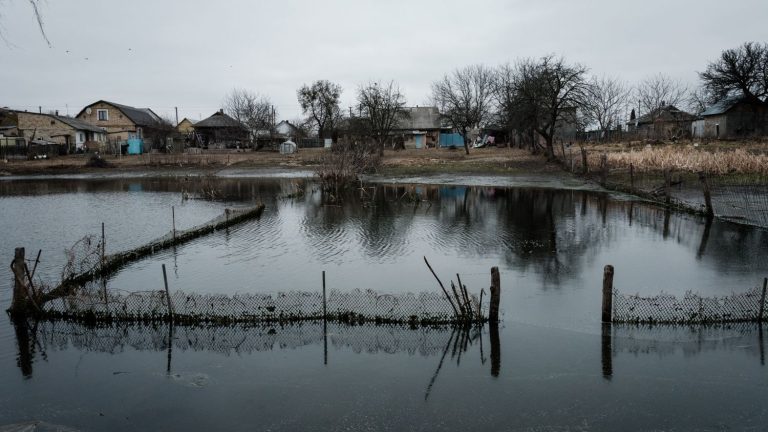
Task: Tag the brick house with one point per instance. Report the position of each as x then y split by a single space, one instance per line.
122 122
71 133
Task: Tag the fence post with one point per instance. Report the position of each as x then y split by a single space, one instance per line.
707 193
667 186
173 218
603 169
584 162
762 300
607 294
18 303
493 310
325 310
168 295
103 244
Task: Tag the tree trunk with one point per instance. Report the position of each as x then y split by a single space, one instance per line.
466 140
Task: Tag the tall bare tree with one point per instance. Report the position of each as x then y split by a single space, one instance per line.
549 92
658 91
382 108
698 100
741 71
464 98
254 111
320 103
605 103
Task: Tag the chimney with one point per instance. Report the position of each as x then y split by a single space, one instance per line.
57 113
221 111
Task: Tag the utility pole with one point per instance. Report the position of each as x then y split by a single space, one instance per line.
177 114
39 109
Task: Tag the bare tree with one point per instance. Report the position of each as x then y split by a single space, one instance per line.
742 71
254 111
548 92
320 103
698 100
605 103
658 91
36 10
382 107
464 98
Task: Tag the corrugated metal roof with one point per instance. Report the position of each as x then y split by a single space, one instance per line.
721 107
79 124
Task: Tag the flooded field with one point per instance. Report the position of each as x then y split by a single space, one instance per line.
551 365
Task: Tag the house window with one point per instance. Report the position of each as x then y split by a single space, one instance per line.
103 115
82 137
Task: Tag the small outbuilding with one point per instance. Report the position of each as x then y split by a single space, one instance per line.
221 130
732 118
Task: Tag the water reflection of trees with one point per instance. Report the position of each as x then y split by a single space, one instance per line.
553 232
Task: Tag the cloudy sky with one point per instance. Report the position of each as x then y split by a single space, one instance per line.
189 54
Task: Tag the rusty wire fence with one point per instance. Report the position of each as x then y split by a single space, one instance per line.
691 308
94 303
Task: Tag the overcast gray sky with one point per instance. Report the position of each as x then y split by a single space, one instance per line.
189 54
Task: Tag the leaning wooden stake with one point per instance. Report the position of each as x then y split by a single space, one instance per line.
493 310
667 186
603 169
167 295
607 293
631 177
173 217
762 300
445 291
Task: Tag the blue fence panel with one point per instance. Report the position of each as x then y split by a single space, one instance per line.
451 140
135 146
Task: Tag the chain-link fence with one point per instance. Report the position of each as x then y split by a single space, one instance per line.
93 304
691 308
721 192
90 264
240 338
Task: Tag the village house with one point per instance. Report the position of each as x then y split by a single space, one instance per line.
122 122
732 118
420 128
286 129
667 122
70 133
221 130
186 126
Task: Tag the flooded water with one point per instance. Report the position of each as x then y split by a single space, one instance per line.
551 366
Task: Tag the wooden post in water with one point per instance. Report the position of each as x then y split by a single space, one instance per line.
607 294
325 306
603 169
584 162
667 186
103 244
493 310
762 300
168 295
631 177
173 218
707 193
19 301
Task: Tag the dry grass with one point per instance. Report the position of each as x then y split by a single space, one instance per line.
687 158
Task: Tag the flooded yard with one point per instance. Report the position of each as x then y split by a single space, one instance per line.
550 366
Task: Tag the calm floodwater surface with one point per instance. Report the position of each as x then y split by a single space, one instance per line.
551 367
